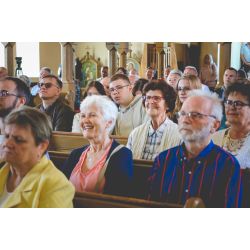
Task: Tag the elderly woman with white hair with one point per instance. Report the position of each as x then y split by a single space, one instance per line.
103 166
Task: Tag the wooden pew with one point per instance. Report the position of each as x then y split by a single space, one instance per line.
94 200
141 171
67 141
245 180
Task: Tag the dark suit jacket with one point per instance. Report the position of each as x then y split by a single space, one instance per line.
119 172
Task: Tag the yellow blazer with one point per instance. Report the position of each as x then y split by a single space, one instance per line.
43 186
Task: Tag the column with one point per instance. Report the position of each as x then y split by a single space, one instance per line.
112 48
123 50
9 57
67 72
225 58
160 59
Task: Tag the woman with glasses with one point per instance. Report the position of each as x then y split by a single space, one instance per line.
236 138
159 133
93 88
185 84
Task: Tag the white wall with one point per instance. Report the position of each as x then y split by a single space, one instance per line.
235 55
2 53
30 58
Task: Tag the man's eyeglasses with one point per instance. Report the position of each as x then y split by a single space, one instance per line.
236 104
184 89
193 115
5 93
117 88
153 98
47 85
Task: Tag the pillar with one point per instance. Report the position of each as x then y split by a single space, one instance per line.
9 57
123 51
67 72
160 59
112 58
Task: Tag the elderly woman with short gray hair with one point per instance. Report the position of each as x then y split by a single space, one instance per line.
104 166
29 178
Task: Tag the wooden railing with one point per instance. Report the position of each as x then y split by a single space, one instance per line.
94 200
67 141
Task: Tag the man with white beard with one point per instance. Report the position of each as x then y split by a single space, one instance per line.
197 167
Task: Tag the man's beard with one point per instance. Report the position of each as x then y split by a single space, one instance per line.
5 111
196 136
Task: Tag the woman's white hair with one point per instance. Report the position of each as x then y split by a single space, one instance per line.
108 109
217 109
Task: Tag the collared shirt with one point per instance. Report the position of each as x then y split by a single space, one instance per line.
214 176
153 141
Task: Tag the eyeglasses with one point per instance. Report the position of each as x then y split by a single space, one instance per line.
5 93
184 89
236 104
47 85
153 98
117 88
193 115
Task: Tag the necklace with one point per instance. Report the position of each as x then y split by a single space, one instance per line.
233 145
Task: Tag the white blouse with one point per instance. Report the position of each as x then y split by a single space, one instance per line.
242 154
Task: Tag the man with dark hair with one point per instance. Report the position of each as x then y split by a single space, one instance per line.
104 73
229 78
13 94
150 73
53 105
131 111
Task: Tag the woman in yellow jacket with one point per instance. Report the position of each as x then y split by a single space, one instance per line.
29 179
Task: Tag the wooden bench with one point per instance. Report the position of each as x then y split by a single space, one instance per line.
91 200
141 171
245 180
67 141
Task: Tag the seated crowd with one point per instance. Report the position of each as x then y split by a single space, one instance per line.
196 134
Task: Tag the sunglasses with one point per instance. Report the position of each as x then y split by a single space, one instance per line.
5 93
47 85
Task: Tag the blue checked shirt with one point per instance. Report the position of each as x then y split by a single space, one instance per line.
153 141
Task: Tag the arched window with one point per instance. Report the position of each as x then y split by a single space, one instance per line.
2 53
30 58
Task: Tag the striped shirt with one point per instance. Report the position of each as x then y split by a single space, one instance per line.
154 141
214 176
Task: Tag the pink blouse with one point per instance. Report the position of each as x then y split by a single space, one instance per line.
86 181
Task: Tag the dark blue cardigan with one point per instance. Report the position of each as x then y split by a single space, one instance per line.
119 172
